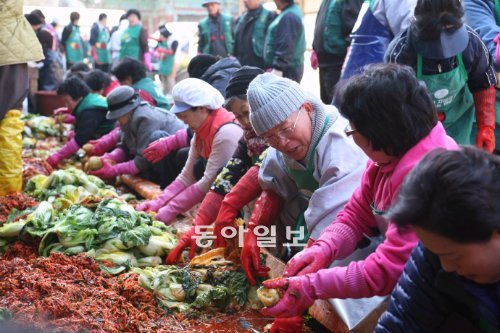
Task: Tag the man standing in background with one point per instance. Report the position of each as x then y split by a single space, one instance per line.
250 33
334 23
72 41
215 32
99 39
286 42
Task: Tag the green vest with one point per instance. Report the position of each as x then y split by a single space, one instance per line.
259 31
74 46
333 42
130 45
92 101
226 30
151 88
101 47
270 45
166 60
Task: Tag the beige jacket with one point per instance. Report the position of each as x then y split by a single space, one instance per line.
18 42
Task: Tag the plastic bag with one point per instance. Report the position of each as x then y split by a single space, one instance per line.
11 163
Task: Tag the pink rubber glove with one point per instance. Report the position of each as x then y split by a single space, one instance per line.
184 201
105 143
309 260
158 149
118 155
147 61
60 111
287 325
108 171
71 135
299 295
66 118
205 216
314 60
66 151
168 193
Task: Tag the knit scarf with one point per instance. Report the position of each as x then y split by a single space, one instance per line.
320 111
255 144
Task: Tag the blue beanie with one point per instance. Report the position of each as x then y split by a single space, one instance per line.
272 99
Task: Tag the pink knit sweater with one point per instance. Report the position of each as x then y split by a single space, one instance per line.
379 272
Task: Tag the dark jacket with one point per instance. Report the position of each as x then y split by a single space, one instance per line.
145 120
243 37
218 74
475 56
52 72
337 19
428 299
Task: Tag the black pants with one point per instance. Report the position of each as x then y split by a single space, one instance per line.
328 77
199 166
165 171
102 67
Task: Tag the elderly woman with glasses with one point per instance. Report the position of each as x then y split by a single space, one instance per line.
216 137
393 120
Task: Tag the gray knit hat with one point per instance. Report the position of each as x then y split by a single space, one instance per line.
272 99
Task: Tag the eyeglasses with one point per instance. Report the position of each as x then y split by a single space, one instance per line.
285 133
349 130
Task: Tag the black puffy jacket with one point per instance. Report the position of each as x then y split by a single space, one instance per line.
218 74
427 299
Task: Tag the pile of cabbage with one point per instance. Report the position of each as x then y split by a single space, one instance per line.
110 231
40 127
193 289
70 186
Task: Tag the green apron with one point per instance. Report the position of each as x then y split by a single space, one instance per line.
92 101
307 184
74 46
166 60
101 47
452 96
130 42
151 88
497 103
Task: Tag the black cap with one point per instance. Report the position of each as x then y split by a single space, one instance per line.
238 84
164 31
133 11
199 65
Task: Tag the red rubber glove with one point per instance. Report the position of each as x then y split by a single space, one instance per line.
299 295
187 240
484 101
314 60
158 149
265 211
205 216
247 189
287 325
